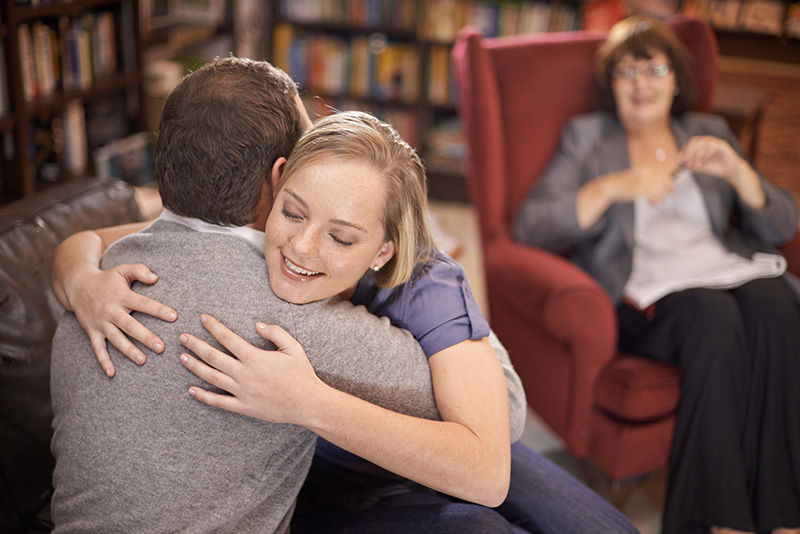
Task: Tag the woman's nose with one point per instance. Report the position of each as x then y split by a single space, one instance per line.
306 242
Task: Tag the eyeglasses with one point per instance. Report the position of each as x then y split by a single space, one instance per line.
657 71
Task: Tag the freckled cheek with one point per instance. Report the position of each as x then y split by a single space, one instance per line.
341 266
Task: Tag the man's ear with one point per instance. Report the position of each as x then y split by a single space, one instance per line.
275 174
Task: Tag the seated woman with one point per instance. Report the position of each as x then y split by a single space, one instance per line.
352 200
658 204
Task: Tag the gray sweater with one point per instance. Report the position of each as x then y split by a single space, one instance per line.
137 454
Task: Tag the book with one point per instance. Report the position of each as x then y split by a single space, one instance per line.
74 138
397 73
43 56
762 16
447 146
534 17
361 62
282 38
486 16
27 61
601 15
5 106
439 75
104 55
792 24
44 147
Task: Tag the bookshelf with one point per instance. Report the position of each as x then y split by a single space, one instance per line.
393 59
72 83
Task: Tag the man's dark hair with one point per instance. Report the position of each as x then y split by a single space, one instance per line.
221 130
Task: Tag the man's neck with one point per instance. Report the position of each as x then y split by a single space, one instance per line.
250 233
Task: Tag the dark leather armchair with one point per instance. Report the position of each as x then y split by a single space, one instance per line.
516 94
30 230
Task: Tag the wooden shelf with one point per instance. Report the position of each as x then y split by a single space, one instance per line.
758 46
7 123
38 115
99 89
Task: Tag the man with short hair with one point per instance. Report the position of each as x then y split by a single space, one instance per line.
137 453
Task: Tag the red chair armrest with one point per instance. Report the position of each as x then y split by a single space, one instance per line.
555 295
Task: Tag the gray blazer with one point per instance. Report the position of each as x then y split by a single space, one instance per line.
595 144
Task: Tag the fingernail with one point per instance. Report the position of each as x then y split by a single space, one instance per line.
183 338
261 326
151 276
184 358
109 372
139 358
171 316
203 318
192 392
158 347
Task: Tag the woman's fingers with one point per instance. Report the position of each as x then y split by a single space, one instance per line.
238 346
281 338
219 364
137 331
208 373
117 338
136 302
225 402
98 342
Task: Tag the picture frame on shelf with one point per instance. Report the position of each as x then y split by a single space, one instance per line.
129 158
209 12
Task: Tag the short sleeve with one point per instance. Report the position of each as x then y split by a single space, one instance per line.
440 309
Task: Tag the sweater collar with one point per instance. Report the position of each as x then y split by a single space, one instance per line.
251 235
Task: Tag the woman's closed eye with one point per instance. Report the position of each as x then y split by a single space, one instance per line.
340 241
289 215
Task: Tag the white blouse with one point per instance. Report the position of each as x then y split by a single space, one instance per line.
676 249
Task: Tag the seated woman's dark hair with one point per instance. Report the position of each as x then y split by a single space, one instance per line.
640 36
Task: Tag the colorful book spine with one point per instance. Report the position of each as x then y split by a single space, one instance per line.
5 106
30 87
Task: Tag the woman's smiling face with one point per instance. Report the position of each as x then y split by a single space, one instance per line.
326 230
646 98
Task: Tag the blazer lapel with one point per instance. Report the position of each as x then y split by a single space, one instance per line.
709 185
612 158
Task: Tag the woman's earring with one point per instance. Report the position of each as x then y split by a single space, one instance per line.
375 268
677 90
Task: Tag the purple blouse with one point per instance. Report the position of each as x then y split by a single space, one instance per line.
436 305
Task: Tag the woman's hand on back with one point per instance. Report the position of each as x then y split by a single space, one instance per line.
268 385
103 300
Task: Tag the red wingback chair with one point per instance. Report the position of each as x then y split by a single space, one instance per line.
516 94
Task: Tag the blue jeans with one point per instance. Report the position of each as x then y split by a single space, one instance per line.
542 498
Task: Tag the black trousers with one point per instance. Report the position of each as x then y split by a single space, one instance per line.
735 458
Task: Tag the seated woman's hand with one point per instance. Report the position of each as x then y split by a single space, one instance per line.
708 154
711 155
642 181
103 302
272 386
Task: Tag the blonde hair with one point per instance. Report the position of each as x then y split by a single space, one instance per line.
358 136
